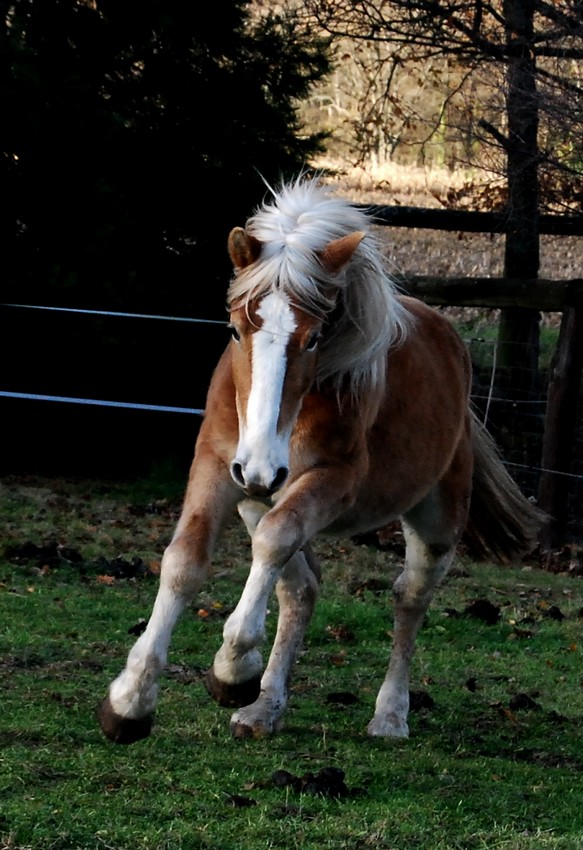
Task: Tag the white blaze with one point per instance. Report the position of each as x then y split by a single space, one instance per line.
262 451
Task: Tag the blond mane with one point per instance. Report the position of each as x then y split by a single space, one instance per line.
360 305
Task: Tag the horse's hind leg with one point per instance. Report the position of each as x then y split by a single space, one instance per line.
412 592
432 530
296 594
228 679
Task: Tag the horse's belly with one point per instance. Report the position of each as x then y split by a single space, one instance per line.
381 500
355 521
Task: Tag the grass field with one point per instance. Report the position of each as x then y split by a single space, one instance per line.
495 757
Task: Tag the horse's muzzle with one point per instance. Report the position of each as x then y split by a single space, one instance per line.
258 488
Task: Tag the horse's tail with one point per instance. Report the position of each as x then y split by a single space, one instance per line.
503 525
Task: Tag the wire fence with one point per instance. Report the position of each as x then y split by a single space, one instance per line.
103 402
517 424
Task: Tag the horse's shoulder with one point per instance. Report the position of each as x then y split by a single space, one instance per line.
220 409
222 377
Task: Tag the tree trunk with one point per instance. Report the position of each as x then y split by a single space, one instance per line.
560 423
518 334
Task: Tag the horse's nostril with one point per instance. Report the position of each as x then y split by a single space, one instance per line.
237 473
282 474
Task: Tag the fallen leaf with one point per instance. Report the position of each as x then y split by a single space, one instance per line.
341 633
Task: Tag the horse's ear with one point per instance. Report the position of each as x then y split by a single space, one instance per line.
337 253
243 248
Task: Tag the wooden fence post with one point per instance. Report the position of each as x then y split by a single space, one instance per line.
560 420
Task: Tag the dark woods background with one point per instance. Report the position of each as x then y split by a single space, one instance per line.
134 135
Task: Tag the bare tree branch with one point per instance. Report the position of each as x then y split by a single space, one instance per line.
502 140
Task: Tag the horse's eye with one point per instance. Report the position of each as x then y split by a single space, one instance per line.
313 342
235 333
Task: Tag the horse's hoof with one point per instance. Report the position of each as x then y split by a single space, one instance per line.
387 728
122 730
248 723
244 731
233 695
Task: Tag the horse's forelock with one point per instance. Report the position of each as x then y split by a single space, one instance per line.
292 267
294 228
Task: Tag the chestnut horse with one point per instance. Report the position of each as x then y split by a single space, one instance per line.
338 406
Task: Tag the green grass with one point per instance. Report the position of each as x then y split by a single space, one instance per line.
478 771
481 335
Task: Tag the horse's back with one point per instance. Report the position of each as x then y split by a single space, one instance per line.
422 419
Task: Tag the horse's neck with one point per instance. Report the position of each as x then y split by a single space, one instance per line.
325 401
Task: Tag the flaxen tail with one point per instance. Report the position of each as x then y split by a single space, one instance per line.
503 525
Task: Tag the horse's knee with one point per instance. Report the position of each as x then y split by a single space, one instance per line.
184 567
276 539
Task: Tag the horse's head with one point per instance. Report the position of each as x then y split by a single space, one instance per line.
274 361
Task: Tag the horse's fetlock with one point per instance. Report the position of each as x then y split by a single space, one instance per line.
242 639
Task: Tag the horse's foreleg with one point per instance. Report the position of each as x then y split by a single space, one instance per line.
235 677
425 566
297 591
126 714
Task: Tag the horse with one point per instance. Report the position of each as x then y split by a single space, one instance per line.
339 406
